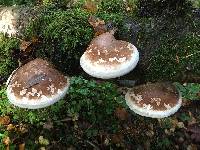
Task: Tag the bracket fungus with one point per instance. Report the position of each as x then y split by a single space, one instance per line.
36 85
155 100
108 58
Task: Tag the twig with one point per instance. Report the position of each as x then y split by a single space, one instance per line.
93 145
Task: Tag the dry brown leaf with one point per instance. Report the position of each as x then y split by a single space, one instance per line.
22 128
48 125
177 124
98 25
169 131
192 147
195 132
22 146
10 127
195 128
150 133
117 138
6 140
186 102
90 6
5 120
193 119
43 141
35 40
25 46
198 94
121 113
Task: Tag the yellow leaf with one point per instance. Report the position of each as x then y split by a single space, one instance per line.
5 120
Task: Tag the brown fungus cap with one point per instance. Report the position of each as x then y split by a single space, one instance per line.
154 100
106 48
107 57
36 84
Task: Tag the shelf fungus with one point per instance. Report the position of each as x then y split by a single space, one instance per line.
36 85
108 58
155 100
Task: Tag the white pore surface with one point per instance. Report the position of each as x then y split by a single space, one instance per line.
107 72
152 113
36 103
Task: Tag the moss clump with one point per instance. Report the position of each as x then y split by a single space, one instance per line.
118 6
163 7
8 63
170 48
64 36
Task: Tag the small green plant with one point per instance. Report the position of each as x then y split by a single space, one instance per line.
195 3
3 134
164 143
166 123
184 117
86 99
190 91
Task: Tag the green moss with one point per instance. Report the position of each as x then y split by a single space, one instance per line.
164 7
170 48
7 49
117 6
64 36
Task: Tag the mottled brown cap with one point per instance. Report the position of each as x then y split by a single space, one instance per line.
156 96
106 50
35 79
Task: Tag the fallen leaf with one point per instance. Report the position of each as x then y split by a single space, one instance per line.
22 146
5 120
22 128
43 141
98 25
195 128
121 113
180 125
169 131
10 127
193 119
117 138
195 132
42 148
48 125
25 46
6 141
150 133
185 102
192 147
90 6
35 40
195 137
